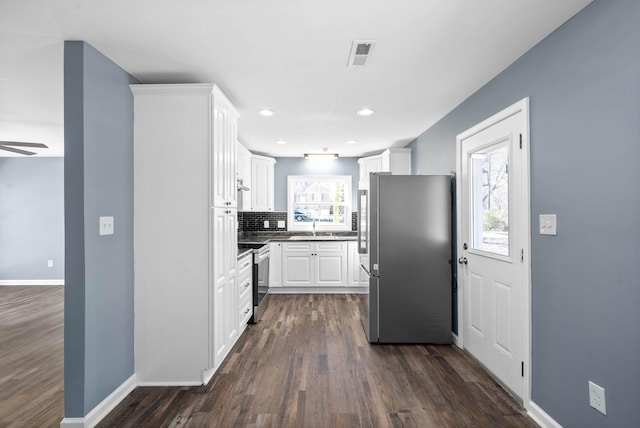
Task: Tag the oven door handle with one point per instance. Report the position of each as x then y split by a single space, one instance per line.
262 256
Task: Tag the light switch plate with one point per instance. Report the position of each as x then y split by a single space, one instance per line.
548 225
106 226
281 224
266 224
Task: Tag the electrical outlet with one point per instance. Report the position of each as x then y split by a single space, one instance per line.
281 224
49 263
548 225
597 398
266 224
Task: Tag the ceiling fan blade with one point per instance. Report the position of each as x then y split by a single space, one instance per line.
11 149
19 144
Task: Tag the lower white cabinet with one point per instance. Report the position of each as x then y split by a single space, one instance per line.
311 264
225 282
245 288
356 277
275 264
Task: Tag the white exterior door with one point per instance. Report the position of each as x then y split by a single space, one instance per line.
493 192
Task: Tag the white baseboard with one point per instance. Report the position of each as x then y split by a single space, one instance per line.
10 282
541 417
102 409
171 383
455 340
318 290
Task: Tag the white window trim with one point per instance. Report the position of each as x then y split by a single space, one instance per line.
320 227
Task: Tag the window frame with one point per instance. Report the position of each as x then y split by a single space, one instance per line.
292 225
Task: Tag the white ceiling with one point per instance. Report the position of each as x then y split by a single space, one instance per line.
286 55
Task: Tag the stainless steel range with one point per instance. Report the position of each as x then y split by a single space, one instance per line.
261 254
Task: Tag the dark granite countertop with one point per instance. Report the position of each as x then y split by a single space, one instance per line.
299 236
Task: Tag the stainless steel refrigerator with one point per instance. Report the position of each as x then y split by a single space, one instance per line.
404 238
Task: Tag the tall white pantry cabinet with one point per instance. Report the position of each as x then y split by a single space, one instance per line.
185 238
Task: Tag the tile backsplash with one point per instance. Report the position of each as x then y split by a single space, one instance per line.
253 221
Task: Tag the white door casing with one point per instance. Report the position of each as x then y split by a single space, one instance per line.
494 304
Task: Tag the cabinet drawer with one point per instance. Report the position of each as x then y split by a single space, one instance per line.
326 246
244 288
245 311
245 265
302 247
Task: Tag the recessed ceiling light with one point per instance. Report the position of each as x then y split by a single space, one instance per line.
266 112
351 141
281 142
365 112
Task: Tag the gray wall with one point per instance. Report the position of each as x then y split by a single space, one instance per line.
99 269
298 166
584 87
31 218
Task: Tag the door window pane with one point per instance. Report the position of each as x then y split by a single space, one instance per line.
490 199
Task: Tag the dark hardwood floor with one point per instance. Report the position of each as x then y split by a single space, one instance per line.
31 356
308 364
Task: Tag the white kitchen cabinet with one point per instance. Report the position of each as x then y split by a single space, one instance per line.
314 264
368 165
244 173
225 282
356 278
275 264
185 238
262 185
397 161
244 291
224 162
394 160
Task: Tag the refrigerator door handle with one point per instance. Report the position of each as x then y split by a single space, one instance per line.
369 275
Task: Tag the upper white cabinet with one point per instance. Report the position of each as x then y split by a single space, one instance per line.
185 238
244 173
368 165
395 160
262 186
224 162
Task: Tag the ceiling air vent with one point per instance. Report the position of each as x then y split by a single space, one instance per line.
360 51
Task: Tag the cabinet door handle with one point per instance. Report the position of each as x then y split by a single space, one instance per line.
247 284
246 264
246 311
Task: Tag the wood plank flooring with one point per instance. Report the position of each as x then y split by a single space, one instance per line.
31 356
308 364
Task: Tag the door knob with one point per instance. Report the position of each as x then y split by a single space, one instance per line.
462 260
